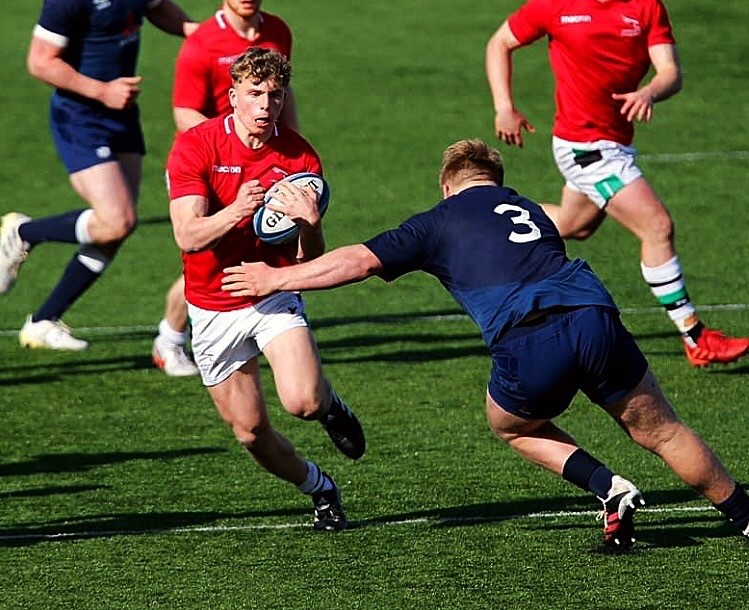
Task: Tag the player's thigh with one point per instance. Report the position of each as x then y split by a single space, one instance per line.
239 400
638 208
105 188
295 361
576 215
645 413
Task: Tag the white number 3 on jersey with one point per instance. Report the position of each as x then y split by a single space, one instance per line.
523 218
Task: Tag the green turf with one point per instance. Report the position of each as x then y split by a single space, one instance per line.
120 488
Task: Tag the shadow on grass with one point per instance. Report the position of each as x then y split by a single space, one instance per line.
49 371
661 530
83 462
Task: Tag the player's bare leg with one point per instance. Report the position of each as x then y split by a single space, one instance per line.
305 393
239 400
638 208
652 423
576 216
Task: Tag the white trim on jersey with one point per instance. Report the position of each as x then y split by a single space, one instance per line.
56 39
221 20
227 125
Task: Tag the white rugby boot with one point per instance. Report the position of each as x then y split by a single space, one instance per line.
13 250
173 360
49 334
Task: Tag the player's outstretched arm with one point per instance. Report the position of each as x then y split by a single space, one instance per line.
345 265
170 18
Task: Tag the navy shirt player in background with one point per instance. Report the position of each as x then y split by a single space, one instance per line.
550 325
87 50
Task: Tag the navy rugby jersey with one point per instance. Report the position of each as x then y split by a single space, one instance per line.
101 37
497 253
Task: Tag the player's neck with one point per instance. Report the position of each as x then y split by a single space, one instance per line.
246 27
250 140
463 186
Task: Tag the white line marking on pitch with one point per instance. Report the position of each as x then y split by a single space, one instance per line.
373 523
125 330
695 156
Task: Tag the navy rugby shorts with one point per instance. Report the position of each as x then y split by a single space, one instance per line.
538 368
85 136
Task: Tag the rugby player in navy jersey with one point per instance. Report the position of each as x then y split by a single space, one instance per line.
87 50
550 325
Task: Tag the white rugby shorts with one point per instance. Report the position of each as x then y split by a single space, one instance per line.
597 169
222 341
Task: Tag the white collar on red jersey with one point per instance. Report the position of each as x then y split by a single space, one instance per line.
229 120
221 20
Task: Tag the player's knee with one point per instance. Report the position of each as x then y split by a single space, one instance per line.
117 228
250 434
304 405
660 229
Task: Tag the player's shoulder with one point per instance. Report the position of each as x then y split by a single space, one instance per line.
274 22
206 31
294 144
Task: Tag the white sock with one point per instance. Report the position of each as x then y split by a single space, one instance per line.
169 336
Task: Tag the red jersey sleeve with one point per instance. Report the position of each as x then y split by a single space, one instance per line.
659 31
186 169
531 21
191 76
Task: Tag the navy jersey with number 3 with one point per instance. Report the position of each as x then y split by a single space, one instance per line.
498 255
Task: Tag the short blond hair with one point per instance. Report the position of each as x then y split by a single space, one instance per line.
471 160
260 65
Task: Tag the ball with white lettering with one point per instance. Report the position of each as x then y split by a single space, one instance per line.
277 228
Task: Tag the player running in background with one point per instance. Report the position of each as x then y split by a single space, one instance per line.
218 173
201 91
88 52
550 325
600 50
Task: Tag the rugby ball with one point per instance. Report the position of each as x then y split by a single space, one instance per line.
275 227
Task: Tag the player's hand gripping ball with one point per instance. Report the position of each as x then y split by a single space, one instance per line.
277 228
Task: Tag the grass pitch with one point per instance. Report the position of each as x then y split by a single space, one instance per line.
120 488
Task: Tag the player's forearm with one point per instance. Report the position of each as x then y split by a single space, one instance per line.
345 265
664 84
499 71
170 18
200 232
61 75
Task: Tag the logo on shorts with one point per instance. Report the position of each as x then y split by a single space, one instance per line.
633 28
568 19
103 152
228 60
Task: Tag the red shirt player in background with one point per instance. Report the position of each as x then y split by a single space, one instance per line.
201 91
218 173
600 50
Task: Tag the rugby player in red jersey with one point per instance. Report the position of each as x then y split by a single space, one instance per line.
600 51
201 90
218 173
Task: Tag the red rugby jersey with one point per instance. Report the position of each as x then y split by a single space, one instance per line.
595 49
201 75
211 161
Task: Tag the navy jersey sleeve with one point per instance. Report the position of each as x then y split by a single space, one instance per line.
64 17
406 248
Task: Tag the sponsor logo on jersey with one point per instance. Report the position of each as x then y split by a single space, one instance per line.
227 169
568 19
633 27
278 170
100 5
131 33
227 60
